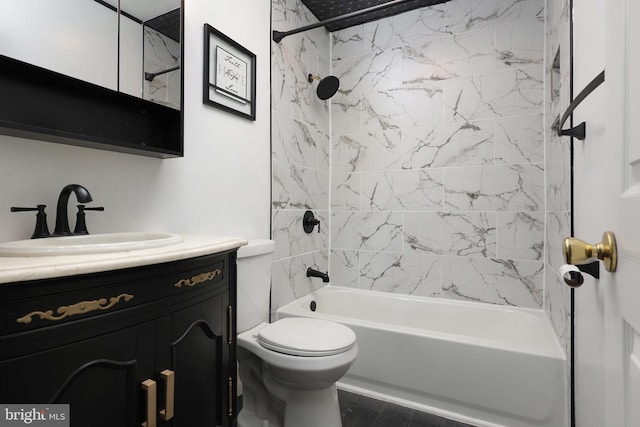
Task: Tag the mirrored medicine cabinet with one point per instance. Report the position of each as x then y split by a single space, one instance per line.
96 73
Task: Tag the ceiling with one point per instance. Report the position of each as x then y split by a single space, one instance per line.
325 9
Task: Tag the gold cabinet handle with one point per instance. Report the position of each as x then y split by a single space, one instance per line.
577 252
200 278
169 378
81 307
149 386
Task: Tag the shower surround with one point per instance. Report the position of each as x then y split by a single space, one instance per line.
438 153
437 156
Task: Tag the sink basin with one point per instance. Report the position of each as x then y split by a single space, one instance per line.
88 244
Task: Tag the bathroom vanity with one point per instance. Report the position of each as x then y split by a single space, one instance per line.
144 336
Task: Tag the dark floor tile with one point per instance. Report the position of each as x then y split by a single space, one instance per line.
362 413
394 416
347 400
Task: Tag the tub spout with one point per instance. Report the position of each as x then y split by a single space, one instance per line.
315 273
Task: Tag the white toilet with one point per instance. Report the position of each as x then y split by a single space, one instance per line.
288 368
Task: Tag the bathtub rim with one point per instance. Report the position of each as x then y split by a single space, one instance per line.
299 307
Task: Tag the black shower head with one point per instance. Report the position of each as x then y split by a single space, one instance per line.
327 86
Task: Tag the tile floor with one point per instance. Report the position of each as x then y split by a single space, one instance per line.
361 411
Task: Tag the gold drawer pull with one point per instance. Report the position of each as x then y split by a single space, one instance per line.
200 278
149 386
169 383
81 307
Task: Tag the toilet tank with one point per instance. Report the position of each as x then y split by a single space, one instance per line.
254 283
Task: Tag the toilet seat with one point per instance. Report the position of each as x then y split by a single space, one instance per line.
297 336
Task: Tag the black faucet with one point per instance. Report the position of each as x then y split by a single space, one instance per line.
62 219
315 273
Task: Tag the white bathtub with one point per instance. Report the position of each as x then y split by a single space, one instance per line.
482 364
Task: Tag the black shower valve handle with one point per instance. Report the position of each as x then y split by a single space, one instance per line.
41 230
309 221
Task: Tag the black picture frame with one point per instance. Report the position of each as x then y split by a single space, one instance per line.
229 75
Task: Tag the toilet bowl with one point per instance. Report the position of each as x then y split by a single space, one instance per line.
288 368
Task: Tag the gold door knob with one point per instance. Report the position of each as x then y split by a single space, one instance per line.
577 252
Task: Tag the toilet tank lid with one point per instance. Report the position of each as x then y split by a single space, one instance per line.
256 247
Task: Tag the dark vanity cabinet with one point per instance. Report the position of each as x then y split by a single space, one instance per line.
152 344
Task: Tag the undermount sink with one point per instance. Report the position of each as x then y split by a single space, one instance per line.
88 244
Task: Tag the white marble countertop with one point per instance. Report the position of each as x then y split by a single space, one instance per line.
19 269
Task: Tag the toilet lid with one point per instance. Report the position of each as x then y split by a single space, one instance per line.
298 336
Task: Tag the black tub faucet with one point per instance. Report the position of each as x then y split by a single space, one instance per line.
315 273
62 219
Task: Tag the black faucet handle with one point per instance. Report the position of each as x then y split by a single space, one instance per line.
41 230
309 221
81 224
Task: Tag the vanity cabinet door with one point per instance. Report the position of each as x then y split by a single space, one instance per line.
193 343
98 377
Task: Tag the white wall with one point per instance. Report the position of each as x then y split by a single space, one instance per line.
221 186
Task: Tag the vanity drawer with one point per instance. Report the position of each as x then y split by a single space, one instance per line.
26 306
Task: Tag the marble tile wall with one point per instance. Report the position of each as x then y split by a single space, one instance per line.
437 153
300 153
557 168
161 53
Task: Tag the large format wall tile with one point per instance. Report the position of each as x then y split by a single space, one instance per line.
448 144
521 235
345 268
505 93
519 139
407 105
403 190
375 231
405 274
449 57
346 191
496 281
520 43
412 28
366 151
462 234
494 188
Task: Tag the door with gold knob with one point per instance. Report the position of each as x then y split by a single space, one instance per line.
607 198
622 322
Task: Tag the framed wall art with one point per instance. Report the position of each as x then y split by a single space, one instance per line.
229 75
